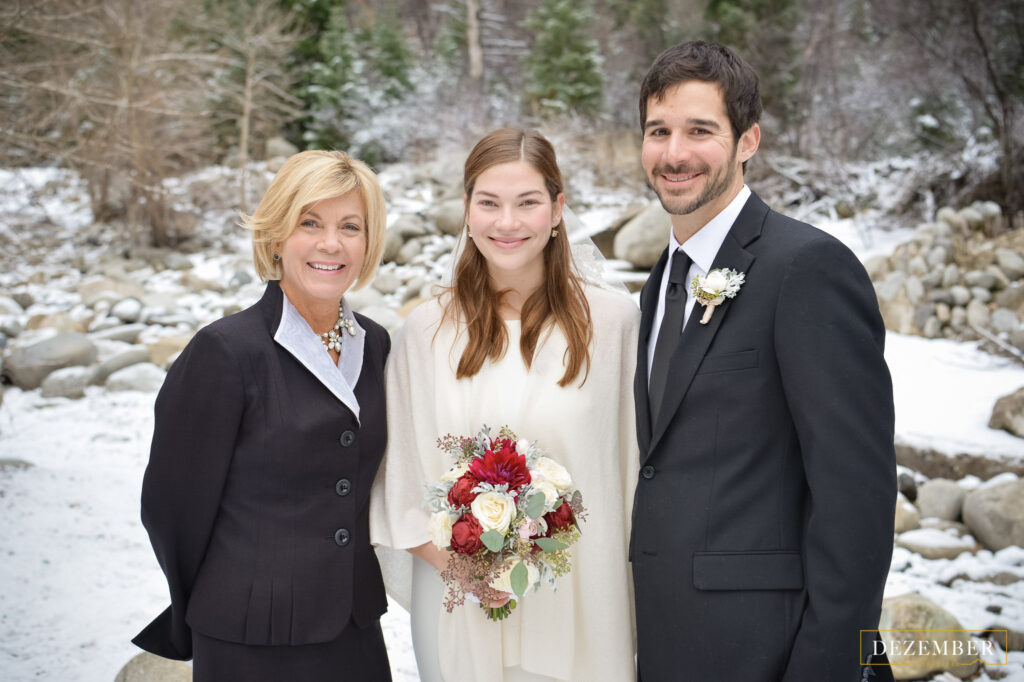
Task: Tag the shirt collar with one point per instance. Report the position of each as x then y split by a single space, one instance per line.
296 336
703 246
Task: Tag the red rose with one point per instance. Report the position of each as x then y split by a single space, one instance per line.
461 494
503 465
559 518
466 535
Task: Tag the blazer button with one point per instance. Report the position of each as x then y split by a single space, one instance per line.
343 487
342 537
347 439
647 472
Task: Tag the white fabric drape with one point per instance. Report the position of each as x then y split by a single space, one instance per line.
584 630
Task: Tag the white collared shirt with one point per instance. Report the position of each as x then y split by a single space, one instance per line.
296 336
702 248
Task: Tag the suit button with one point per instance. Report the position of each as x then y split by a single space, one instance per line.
347 439
647 472
342 537
343 487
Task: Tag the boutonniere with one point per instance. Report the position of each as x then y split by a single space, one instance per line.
712 289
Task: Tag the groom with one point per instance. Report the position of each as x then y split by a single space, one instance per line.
763 517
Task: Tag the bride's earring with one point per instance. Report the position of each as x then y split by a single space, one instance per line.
554 233
469 233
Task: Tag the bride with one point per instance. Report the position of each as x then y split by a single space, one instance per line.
517 339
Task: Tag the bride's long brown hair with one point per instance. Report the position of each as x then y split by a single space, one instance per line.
472 299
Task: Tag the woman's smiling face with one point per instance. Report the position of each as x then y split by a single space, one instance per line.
323 255
510 216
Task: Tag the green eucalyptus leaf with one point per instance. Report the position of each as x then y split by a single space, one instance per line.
550 544
493 540
535 505
519 578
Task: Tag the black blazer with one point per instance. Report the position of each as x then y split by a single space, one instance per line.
763 517
256 497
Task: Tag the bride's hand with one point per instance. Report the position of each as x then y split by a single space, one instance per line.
498 601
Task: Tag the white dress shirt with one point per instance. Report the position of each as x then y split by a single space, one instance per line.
296 336
702 248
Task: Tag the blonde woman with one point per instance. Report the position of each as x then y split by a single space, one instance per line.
269 429
518 339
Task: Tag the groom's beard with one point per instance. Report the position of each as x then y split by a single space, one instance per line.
715 185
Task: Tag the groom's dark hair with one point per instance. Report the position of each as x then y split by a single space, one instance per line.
699 60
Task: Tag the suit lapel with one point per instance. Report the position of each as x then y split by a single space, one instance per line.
697 337
648 307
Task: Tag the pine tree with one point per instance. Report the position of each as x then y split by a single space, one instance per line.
562 69
763 31
335 101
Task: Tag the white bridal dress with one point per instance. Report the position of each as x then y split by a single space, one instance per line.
583 631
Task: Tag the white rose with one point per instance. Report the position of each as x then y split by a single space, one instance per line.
522 446
504 581
440 529
494 511
549 490
455 473
714 282
550 470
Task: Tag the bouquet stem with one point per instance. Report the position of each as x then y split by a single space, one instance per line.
500 613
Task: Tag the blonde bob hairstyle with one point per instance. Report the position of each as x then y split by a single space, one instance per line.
305 179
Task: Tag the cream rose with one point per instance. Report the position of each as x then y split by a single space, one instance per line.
549 470
549 490
494 511
456 471
440 529
504 581
714 282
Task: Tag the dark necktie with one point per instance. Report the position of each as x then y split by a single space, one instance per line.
671 330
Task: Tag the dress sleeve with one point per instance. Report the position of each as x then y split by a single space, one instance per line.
197 416
397 516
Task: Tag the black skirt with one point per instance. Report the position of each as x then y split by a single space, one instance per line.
357 655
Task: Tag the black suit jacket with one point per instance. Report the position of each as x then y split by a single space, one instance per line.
763 517
256 497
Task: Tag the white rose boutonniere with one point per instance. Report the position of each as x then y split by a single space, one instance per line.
712 289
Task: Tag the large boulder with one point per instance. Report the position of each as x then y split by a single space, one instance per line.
149 668
108 288
278 147
1008 413
995 515
642 239
128 333
449 216
69 382
894 303
8 306
907 516
131 356
933 543
26 367
166 347
141 377
940 498
910 624
1011 263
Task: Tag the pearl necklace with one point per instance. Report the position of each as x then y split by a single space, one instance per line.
332 337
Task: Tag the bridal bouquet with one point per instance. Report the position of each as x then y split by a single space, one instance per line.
508 513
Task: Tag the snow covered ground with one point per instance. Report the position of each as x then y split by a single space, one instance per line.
78 578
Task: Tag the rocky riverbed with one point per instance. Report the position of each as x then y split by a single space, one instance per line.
89 324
